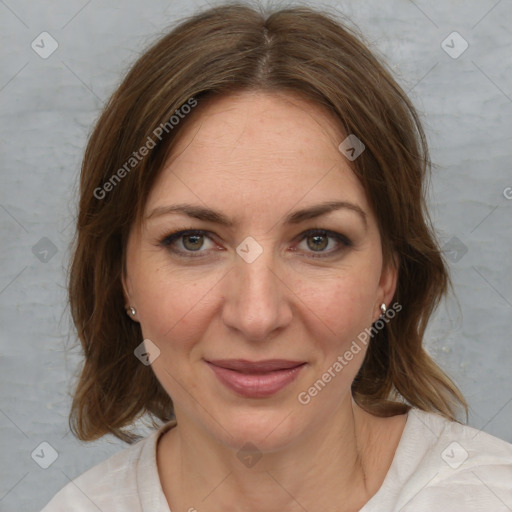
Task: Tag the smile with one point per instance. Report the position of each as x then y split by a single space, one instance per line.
258 379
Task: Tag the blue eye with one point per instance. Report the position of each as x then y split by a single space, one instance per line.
320 243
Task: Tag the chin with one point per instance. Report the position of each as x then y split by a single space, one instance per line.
268 429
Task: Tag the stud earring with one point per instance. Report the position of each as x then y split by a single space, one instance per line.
383 308
131 311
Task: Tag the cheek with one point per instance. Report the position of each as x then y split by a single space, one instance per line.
174 312
338 309
171 304
336 316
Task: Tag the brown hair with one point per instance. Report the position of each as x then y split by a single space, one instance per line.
224 49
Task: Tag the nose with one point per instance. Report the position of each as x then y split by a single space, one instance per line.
257 299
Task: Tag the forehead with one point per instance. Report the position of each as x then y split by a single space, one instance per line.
258 148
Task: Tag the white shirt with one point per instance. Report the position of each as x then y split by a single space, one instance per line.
438 466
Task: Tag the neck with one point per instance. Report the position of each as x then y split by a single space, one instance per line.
327 468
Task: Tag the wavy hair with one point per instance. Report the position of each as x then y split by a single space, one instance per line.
214 52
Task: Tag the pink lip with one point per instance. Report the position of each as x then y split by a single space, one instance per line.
258 379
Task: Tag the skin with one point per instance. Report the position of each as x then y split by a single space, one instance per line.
256 157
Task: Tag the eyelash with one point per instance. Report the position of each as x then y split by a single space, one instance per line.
169 239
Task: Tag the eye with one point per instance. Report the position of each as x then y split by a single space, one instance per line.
318 240
185 242
191 243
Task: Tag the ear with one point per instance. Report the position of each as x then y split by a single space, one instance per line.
128 294
387 285
127 288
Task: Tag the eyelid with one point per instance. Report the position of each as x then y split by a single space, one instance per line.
329 233
167 240
342 239
343 242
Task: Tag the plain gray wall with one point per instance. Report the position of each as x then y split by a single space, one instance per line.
48 107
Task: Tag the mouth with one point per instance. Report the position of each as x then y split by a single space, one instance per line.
255 379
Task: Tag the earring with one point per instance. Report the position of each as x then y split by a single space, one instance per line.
383 308
131 311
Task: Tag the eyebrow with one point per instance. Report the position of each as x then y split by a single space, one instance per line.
207 214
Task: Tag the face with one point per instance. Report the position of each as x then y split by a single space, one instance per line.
248 285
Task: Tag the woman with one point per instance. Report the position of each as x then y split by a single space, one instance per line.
252 207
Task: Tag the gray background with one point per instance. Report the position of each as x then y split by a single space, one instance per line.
48 107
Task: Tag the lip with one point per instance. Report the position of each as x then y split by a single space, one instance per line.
255 379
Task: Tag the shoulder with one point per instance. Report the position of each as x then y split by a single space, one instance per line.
441 462
116 484
95 488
